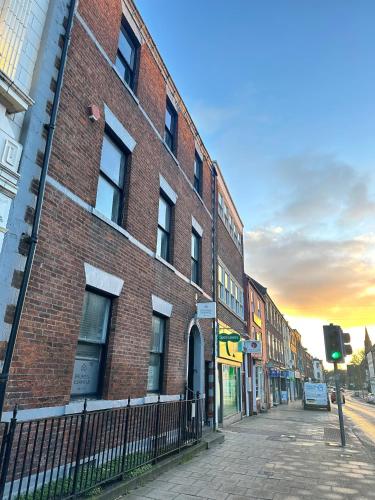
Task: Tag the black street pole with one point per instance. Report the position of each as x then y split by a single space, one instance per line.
214 290
339 406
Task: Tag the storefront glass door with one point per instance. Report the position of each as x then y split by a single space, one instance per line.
230 383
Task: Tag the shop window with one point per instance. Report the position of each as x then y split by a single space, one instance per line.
230 389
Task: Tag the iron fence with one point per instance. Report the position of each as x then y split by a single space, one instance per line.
64 457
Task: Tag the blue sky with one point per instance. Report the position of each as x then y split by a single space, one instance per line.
282 93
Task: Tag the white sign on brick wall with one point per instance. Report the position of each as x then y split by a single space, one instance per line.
206 310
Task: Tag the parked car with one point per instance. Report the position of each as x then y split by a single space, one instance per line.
334 399
356 394
370 398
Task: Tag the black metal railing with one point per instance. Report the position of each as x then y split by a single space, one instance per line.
66 456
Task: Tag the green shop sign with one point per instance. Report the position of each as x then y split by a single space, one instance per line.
229 337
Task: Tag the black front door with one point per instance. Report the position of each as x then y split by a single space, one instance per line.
190 388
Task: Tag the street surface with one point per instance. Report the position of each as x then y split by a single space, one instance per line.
362 416
287 454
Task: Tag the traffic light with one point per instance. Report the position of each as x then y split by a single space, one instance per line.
333 339
347 347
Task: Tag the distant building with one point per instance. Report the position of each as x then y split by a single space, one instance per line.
370 362
257 397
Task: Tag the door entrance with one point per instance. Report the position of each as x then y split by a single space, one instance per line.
195 376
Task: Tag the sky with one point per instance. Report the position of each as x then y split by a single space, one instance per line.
282 94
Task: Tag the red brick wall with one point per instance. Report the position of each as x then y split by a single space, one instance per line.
103 17
151 89
43 362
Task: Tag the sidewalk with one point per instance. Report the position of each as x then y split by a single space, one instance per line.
287 453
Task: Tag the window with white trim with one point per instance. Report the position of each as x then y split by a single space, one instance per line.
233 295
221 205
220 282
229 291
229 222
238 293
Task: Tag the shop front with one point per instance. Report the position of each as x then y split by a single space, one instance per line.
292 385
259 386
297 375
274 375
229 371
284 386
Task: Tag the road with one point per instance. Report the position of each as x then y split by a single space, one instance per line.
362 416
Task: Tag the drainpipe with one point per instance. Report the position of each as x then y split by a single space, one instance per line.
38 211
214 291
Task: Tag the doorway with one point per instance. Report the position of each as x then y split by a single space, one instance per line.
195 375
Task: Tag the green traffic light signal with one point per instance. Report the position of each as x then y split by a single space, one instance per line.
333 340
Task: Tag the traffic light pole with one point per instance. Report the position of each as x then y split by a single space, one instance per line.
339 406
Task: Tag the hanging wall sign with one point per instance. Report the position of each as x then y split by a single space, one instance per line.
229 337
206 310
252 346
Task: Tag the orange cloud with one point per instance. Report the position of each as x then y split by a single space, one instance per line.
318 278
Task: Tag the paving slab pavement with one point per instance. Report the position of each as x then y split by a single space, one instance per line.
286 454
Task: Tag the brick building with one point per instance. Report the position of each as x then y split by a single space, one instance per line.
255 310
125 244
230 303
275 350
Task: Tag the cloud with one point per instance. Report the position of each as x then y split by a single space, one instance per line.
315 277
314 187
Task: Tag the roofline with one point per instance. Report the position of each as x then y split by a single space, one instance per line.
215 163
134 12
256 285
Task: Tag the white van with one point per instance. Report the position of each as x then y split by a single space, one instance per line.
315 395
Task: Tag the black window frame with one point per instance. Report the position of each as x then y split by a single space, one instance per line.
161 354
170 134
104 347
168 257
120 188
198 179
196 262
127 32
